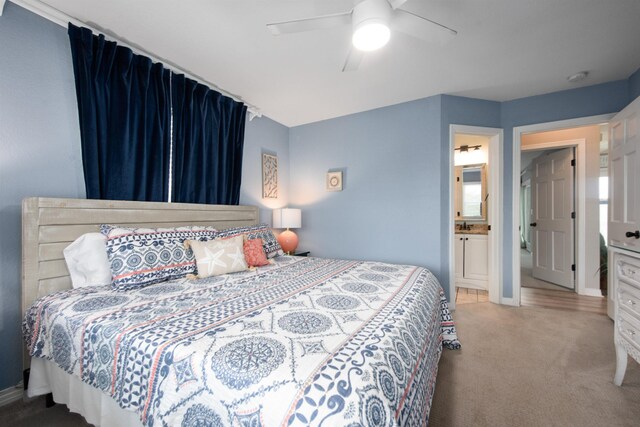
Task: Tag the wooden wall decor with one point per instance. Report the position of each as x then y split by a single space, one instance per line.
269 176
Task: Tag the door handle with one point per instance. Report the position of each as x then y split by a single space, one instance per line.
533 224
635 234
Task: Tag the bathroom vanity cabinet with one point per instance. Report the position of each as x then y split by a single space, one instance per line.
472 262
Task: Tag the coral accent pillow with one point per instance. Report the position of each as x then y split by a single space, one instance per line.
261 231
220 256
254 253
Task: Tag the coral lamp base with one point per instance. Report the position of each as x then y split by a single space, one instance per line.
288 241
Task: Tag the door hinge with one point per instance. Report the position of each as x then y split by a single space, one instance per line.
488 228
458 213
573 162
573 215
573 267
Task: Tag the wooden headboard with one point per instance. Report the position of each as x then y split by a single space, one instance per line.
49 225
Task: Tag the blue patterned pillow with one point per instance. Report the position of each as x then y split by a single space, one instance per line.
143 256
261 231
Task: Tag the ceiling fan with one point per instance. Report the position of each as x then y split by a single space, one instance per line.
372 22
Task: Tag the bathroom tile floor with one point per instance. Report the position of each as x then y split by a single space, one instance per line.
471 296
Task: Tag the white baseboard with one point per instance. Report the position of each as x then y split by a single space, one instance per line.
590 292
11 394
509 301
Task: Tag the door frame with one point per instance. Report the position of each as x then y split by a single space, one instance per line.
580 197
495 191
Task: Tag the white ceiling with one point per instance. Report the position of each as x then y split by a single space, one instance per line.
505 49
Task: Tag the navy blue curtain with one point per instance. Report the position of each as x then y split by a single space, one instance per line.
209 138
125 114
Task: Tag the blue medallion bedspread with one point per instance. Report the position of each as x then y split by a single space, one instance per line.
306 341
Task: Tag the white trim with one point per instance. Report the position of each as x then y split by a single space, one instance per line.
2 3
11 394
518 131
58 17
495 191
509 301
590 292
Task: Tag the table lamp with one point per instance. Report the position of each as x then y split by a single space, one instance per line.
287 218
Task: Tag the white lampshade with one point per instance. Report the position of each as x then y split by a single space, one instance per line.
287 218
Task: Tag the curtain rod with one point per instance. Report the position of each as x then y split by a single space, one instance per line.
57 16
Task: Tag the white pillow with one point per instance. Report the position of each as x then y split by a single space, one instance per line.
87 261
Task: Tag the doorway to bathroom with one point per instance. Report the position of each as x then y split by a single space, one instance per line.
475 228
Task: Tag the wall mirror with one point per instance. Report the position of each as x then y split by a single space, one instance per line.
471 192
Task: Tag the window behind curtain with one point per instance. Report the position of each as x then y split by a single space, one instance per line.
128 108
124 112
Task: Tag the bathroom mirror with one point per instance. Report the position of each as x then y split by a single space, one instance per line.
471 192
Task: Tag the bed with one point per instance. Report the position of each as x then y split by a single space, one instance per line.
301 341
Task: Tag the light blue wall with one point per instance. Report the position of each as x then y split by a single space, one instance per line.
39 149
584 102
394 206
390 208
263 135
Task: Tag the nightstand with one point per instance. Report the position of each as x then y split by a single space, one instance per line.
302 253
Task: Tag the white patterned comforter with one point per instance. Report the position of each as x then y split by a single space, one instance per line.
307 341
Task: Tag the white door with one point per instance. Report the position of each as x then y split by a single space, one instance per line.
476 257
552 230
624 186
624 171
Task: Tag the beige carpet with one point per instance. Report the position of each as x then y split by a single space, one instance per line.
533 367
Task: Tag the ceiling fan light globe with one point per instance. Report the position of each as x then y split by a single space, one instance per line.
370 35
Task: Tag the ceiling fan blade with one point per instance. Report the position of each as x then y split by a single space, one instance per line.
396 3
354 58
421 28
310 24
